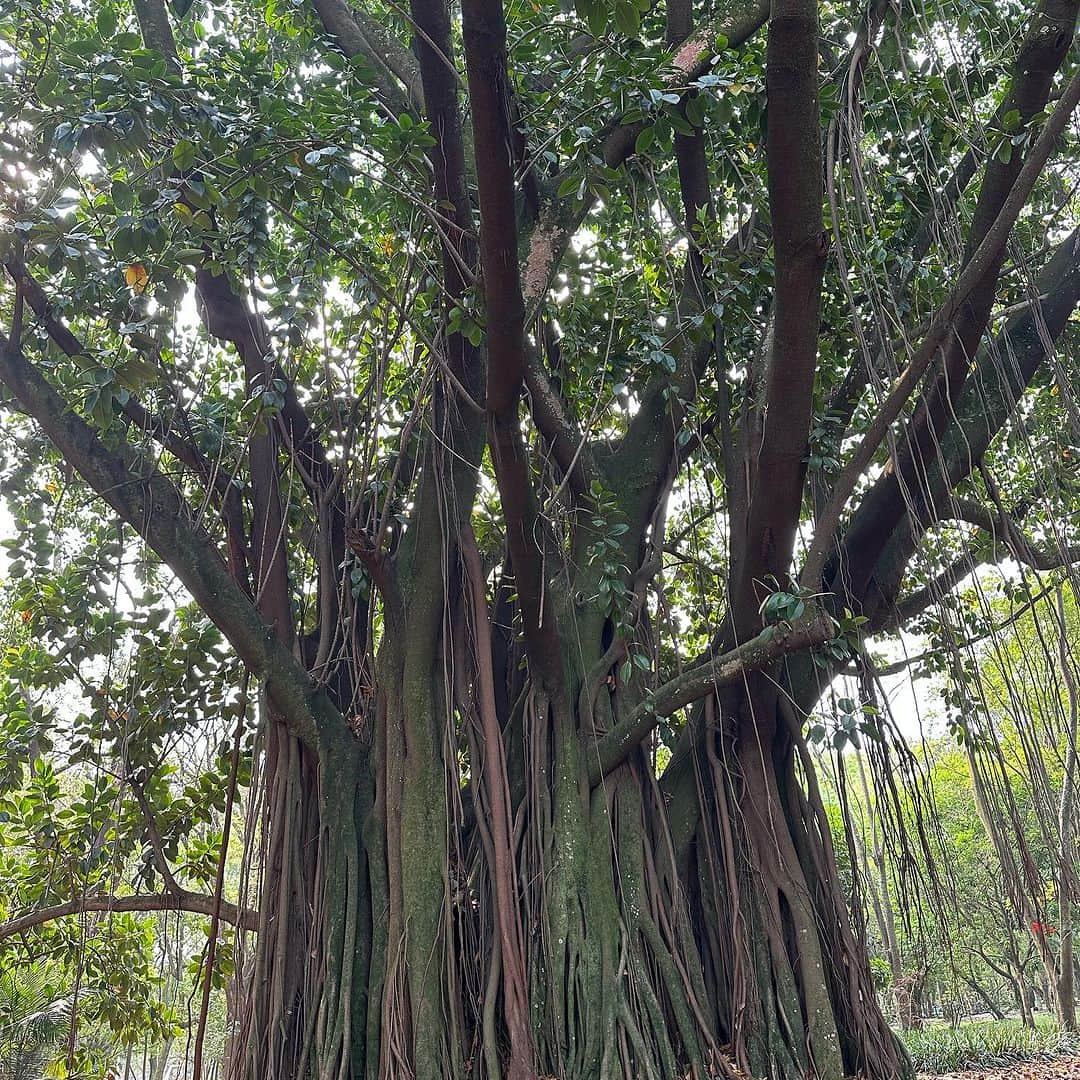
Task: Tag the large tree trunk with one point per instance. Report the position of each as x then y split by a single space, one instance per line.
644 954
791 987
308 990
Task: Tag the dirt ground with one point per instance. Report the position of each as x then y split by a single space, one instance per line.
1060 1069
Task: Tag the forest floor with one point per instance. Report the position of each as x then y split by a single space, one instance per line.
1067 1068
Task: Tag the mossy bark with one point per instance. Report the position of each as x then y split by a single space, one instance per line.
665 936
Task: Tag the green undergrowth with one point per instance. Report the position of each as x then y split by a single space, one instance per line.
987 1044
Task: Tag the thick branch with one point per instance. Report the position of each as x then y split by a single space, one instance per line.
484 33
156 30
1043 50
152 506
226 493
357 34
558 222
692 58
915 603
225 314
1041 54
567 443
940 327
697 682
434 47
988 400
1002 527
182 901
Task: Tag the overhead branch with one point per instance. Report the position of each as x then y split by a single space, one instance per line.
941 325
197 903
568 444
692 57
225 492
910 604
1000 526
1003 370
773 643
359 35
131 484
226 315
157 848
920 600
1042 52
559 221
156 30
649 448
844 131
1019 546
434 47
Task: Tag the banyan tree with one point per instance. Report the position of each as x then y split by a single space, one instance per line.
528 411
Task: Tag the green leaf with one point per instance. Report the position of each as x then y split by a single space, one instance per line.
183 155
569 185
106 22
646 138
597 20
122 195
627 19
680 124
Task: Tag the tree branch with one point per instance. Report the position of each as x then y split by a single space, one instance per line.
225 493
152 506
1043 50
359 35
872 578
1001 526
157 849
226 315
915 603
940 327
796 195
197 903
484 34
1041 54
613 748
558 221
569 446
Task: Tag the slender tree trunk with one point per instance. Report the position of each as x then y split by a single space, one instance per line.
1066 876
904 986
980 992
1018 884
